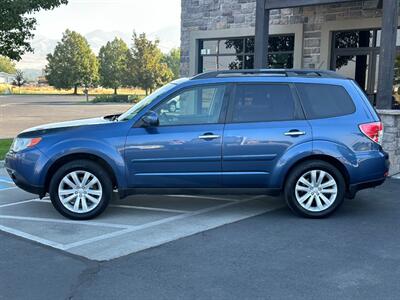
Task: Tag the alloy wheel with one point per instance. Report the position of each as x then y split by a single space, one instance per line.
80 191
316 190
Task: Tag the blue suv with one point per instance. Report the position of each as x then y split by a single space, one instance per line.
309 135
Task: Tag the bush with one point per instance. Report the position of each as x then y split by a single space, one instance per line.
117 99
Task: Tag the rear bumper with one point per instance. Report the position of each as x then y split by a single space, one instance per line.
380 165
354 188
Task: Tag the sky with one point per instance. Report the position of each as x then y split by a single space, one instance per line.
122 15
104 19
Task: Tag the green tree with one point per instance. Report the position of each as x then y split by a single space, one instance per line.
17 24
147 69
72 64
7 65
173 61
113 59
19 78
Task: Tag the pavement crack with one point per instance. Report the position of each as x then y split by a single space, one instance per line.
85 277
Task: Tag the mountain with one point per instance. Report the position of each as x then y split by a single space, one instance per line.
169 38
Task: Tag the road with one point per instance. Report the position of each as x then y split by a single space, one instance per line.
355 254
21 112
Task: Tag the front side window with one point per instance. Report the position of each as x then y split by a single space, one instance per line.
263 103
197 105
138 107
324 100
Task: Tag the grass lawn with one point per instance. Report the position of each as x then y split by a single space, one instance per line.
4 146
48 90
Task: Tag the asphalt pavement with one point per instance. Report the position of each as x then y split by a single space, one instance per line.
355 254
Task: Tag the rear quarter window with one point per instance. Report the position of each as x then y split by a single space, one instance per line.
325 100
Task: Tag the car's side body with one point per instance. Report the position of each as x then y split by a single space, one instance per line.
251 155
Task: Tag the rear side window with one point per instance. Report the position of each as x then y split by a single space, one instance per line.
325 101
263 103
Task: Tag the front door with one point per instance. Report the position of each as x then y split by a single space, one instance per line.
264 122
185 149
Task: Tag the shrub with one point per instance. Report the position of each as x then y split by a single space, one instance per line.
117 99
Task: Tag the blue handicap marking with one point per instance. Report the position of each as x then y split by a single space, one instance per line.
6 179
6 183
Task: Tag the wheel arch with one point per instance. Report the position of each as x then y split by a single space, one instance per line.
322 157
80 156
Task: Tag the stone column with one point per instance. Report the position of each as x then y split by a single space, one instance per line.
391 137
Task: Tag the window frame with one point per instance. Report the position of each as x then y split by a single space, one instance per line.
295 86
221 118
299 114
244 53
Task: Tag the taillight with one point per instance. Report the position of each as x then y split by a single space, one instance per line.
374 131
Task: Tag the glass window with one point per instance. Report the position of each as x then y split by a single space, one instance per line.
355 67
325 101
138 107
231 46
230 62
280 60
238 53
354 39
379 34
278 43
249 45
199 105
208 47
263 103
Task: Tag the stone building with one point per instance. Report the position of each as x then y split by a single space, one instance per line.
344 36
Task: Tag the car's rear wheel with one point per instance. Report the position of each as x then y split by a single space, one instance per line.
80 190
315 189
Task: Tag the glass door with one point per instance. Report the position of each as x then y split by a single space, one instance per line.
362 67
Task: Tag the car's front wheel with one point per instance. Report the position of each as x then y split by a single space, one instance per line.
80 190
315 189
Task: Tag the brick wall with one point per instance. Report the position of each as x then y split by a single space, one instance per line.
225 14
391 137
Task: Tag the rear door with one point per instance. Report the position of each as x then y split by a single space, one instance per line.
264 121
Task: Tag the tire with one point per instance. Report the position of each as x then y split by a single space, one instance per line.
298 193
94 195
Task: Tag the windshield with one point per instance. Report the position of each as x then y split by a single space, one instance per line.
134 110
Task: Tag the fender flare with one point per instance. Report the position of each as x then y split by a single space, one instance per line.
111 156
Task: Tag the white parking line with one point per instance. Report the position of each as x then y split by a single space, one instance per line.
17 203
32 237
151 224
90 223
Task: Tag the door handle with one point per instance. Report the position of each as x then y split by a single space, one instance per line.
208 136
294 133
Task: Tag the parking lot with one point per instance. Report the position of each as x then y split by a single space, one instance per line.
354 254
130 225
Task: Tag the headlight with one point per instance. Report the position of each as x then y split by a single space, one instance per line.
20 144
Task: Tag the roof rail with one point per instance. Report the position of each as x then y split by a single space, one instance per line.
269 72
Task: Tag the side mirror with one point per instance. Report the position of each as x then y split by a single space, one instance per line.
150 119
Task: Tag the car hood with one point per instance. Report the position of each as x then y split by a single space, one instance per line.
74 123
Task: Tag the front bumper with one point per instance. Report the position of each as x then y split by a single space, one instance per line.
24 169
26 186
